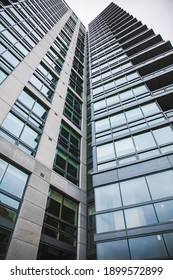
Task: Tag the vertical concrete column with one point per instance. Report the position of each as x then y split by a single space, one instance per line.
82 232
27 232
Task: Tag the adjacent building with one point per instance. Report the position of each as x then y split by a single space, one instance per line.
86 139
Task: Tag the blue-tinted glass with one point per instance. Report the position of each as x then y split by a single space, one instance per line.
105 152
102 125
163 135
13 124
3 75
9 201
3 166
30 137
140 216
124 147
161 184
110 221
11 58
107 197
115 250
148 247
14 181
169 242
134 114
164 211
144 141
26 99
134 191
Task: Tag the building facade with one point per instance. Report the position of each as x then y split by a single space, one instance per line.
86 139
131 73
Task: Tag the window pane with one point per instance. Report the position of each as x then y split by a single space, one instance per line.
148 247
9 201
113 100
150 109
102 125
134 114
169 242
164 211
144 141
161 184
30 137
124 147
36 82
11 58
134 191
110 221
14 181
115 250
140 216
105 152
13 124
117 120
163 135
26 99
107 197
3 166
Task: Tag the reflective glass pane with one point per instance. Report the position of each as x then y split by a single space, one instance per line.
30 137
11 58
169 242
36 82
107 197
139 90
163 135
134 114
144 141
113 100
161 184
115 250
126 95
150 109
97 90
105 152
13 124
3 75
110 221
109 86
9 201
148 247
39 111
26 99
117 119
3 166
14 181
140 216
164 211
134 191
99 105
124 147
102 125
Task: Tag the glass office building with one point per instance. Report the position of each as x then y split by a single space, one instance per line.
86 137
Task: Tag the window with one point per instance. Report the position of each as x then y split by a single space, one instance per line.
12 185
134 191
44 81
67 157
4 241
23 125
163 135
109 222
144 141
140 216
46 252
164 211
60 220
149 247
73 109
107 197
124 147
102 125
114 250
160 184
105 152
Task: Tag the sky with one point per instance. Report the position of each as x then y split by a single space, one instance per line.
156 14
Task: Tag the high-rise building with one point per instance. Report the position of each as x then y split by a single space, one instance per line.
86 137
